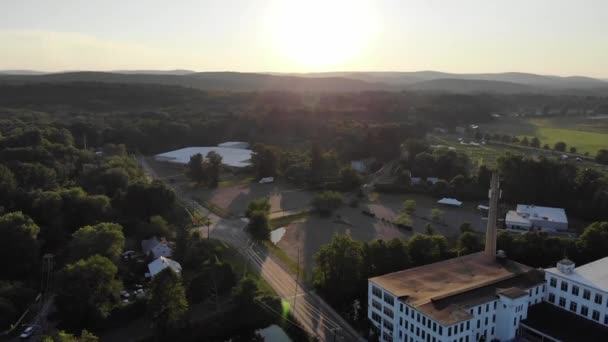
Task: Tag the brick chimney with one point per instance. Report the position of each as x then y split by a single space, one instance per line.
493 195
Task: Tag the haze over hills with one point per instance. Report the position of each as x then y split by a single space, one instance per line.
431 81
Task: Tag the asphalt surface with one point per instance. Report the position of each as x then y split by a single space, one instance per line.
311 313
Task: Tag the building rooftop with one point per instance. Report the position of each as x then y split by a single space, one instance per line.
446 289
534 212
594 274
233 157
514 218
543 316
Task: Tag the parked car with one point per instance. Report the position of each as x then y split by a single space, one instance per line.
27 332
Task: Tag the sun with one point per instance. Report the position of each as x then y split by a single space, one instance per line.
320 34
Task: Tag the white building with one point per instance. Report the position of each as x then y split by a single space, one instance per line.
526 217
231 157
582 290
161 263
465 299
157 248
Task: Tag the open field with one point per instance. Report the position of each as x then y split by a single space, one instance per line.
585 133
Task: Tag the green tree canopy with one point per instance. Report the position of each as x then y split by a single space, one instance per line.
88 290
105 239
244 292
258 227
167 304
560 146
18 243
326 202
258 204
469 242
264 160
62 336
425 249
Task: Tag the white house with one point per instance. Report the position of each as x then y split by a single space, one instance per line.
531 216
450 201
157 248
161 263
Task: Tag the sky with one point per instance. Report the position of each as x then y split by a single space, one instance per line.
558 37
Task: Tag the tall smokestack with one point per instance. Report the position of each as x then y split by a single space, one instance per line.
493 194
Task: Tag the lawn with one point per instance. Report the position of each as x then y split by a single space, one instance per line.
583 141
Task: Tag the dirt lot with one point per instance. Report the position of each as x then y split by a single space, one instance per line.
310 234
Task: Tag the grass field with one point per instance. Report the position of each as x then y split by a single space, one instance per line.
589 142
586 134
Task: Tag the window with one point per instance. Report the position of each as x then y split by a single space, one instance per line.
487 307
575 290
434 326
407 310
529 294
551 298
376 305
553 282
605 319
389 299
514 321
468 325
564 286
598 298
388 325
388 312
537 290
586 294
595 315
479 310
428 323
440 330
492 330
495 305
401 307
573 306
486 321
400 321
377 292
450 331
493 318
584 311
376 317
478 324
562 302
423 320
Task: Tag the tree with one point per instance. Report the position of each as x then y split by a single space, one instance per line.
157 226
425 249
337 271
258 204
316 164
7 185
105 239
349 178
428 229
437 215
546 147
214 168
465 227
409 206
264 160
196 169
244 292
535 142
602 156
18 242
468 243
88 290
594 240
572 149
440 188
62 336
167 304
525 142
560 146
144 199
326 202
258 227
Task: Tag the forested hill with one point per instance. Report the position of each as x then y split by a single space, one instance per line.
511 83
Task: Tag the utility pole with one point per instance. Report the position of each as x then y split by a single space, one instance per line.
295 296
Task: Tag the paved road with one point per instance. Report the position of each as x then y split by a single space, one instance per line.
311 313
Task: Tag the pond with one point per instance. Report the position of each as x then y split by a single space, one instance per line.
274 333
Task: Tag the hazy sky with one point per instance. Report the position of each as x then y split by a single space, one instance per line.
562 37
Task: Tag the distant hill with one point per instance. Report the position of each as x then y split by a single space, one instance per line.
464 86
506 83
21 72
222 81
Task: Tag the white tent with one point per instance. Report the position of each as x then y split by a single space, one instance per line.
450 201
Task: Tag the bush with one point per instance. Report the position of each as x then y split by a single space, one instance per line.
326 202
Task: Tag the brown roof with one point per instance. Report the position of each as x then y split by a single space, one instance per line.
444 290
513 292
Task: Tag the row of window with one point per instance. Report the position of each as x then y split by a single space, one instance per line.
595 315
575 290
